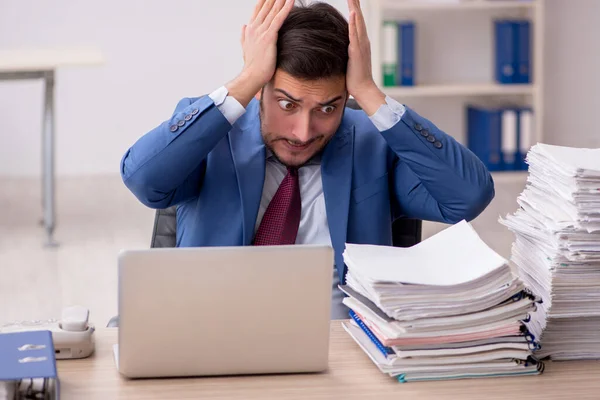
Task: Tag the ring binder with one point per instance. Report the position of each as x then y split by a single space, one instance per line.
28 364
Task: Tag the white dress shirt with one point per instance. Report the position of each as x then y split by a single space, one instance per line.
314 227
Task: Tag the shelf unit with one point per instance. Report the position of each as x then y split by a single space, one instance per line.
475 89
436 90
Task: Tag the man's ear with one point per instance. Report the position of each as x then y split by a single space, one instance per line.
259 94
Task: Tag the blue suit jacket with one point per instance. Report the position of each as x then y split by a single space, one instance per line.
214 172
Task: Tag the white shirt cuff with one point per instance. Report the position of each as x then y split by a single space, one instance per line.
388 114
228 105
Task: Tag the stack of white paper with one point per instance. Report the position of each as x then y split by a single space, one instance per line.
446 308
557 248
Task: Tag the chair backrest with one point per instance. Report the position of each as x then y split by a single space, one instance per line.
406 232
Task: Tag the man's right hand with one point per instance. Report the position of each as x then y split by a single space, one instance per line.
259 45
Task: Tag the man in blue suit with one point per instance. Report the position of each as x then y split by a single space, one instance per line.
293 164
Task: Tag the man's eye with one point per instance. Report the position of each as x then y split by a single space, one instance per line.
286 105
328 109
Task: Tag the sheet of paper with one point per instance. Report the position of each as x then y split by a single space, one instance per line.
455 255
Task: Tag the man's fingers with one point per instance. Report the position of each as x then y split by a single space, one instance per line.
264 11
353 34
282 15
361 26
274 11
257 9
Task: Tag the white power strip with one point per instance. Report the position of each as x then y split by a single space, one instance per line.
72 335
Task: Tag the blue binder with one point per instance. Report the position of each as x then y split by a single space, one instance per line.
505 61
484 135
522 35
28 361
406 53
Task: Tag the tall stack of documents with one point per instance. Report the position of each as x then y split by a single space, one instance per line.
446 308
557 248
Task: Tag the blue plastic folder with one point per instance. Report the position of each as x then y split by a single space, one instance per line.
28 365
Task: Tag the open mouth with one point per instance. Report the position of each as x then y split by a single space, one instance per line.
297 146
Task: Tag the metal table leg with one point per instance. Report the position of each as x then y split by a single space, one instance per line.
48 196
48 207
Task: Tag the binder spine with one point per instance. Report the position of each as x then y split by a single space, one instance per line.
505 52
406 43
508 140
522 31
389 53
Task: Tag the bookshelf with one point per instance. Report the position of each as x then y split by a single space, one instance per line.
466 89
454 59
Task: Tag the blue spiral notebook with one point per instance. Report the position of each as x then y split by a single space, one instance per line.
28 365
387 351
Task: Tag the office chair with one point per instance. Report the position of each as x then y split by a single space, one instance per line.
406 232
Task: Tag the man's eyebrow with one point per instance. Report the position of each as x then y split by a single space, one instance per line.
328 102
287 94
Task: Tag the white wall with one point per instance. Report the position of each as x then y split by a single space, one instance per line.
572 72
158 51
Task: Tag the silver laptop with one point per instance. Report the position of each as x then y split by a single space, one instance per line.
224 310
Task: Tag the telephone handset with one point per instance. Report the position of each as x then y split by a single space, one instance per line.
72 334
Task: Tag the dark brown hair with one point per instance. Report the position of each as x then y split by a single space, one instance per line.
313 42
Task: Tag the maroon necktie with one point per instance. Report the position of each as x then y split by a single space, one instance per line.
280 222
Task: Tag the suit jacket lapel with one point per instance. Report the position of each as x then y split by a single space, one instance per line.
336 174
248 151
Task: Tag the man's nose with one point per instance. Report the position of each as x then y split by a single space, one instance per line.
302 131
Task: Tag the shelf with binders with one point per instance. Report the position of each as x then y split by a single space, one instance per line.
501 48
455 5
443 57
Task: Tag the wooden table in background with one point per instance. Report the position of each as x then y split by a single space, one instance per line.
351 375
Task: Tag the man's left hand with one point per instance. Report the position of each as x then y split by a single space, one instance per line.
359 76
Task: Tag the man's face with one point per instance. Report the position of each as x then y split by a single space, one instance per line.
298 118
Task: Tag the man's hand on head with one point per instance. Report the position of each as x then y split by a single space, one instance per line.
259 45
359 76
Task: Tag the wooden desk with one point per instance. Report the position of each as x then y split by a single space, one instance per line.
42 64
352 375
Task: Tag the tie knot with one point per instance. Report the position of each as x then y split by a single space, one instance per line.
292 171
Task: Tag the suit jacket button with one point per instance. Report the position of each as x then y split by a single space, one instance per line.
430 139
194 111
438 145
188 117
174 128
181 123
424 133
418 127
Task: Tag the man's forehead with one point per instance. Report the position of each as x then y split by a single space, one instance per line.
299 89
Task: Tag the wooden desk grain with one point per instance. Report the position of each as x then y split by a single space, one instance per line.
351 375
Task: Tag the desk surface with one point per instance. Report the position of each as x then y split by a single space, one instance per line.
351 375
47 59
